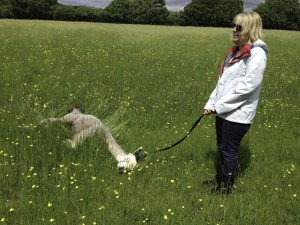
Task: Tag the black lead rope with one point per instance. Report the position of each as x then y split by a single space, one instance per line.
178 142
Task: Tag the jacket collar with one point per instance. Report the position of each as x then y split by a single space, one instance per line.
232 57
245 52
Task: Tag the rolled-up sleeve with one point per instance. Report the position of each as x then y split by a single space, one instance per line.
211 101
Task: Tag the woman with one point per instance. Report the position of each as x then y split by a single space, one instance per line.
235 98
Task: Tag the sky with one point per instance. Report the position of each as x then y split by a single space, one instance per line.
172 5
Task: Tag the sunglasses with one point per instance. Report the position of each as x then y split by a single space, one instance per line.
237 27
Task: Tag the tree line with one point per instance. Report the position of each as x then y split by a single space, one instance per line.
276 14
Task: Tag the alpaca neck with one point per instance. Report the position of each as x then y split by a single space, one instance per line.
113 146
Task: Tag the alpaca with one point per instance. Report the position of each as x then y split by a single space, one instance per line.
84 126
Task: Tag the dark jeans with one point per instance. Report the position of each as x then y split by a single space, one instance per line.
229 137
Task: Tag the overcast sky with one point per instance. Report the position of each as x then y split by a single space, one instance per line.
173 5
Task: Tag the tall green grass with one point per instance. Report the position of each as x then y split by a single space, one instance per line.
149 84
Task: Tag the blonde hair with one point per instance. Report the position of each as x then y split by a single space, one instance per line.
251 26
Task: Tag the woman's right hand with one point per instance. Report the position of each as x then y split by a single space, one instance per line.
208 112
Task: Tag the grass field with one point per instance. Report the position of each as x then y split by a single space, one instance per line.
148 84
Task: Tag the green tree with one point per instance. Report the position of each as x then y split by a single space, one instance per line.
84 13
63 12
32 9
136 11
201 13
159 11
6 9
118 11
149 12
280 14
175 18
211 13
227 9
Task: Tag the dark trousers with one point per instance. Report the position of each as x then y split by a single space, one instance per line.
229 137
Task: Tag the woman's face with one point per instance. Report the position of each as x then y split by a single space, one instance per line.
236 30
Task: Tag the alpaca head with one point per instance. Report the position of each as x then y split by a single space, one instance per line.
129 161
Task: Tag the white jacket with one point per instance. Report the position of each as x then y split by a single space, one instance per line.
235 97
